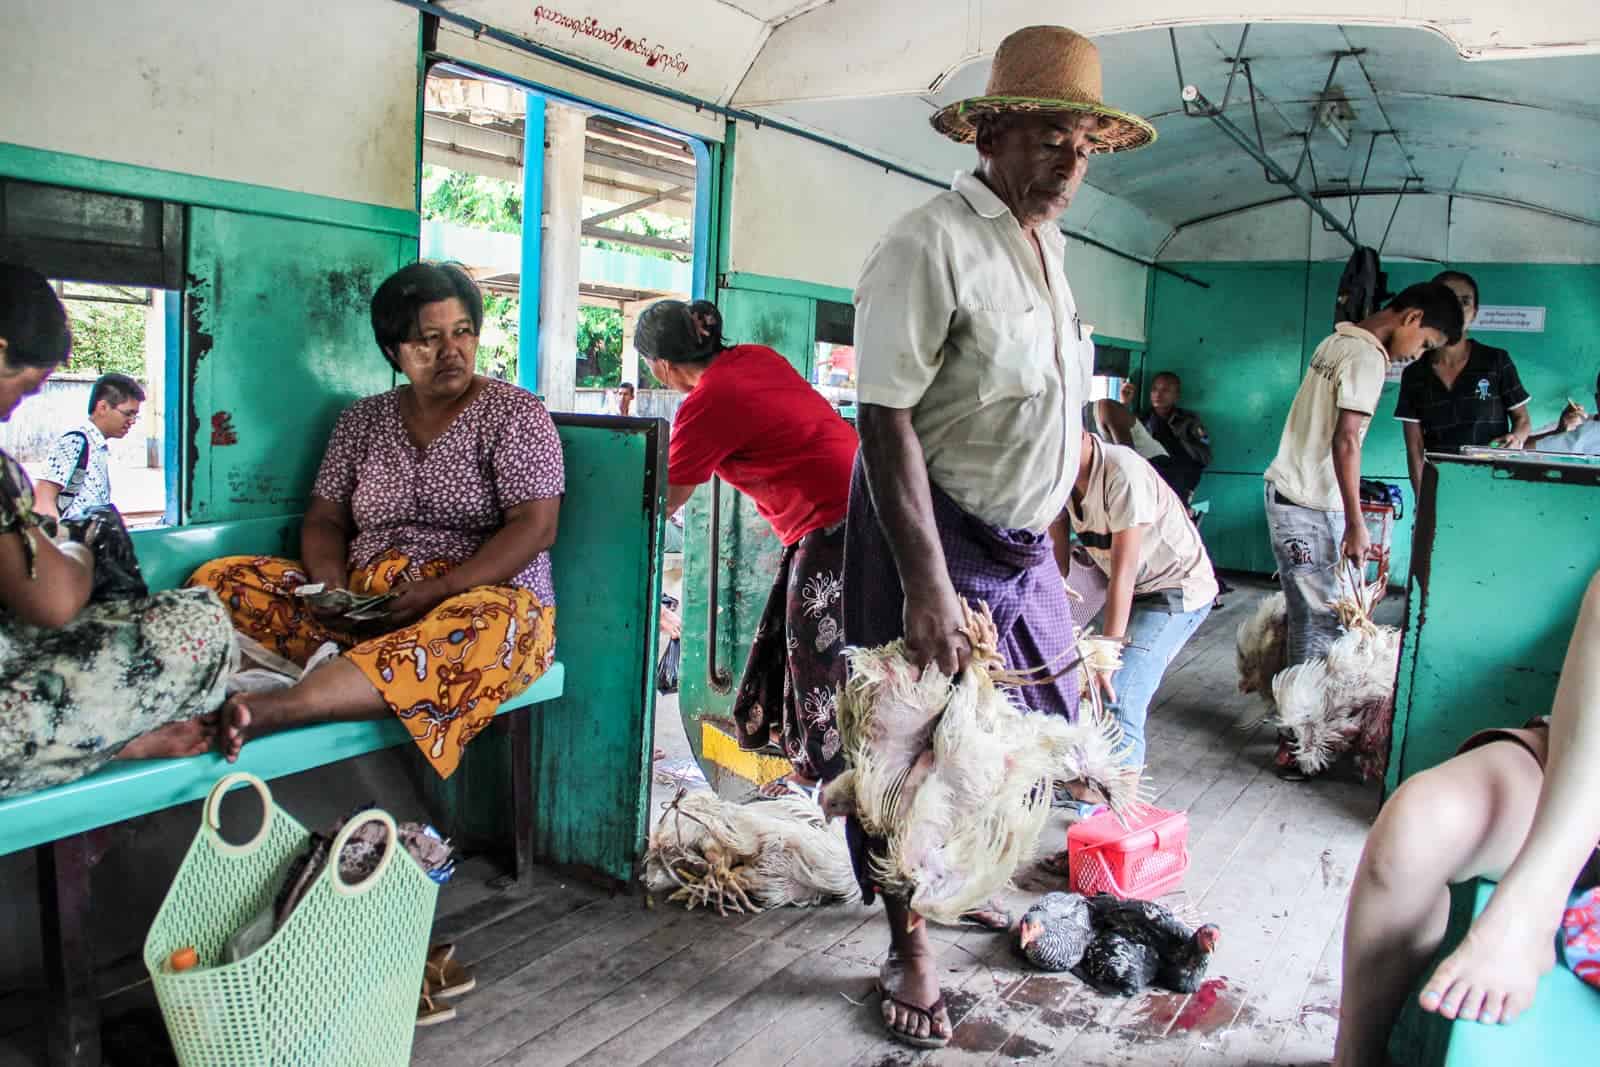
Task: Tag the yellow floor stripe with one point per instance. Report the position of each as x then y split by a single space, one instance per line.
723 750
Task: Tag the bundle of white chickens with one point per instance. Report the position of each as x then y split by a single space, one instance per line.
1332 704
709 852
957 777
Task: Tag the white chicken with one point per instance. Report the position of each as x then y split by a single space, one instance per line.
1331 704
1261 645
747 857
956 776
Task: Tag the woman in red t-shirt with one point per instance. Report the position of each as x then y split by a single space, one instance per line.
750 419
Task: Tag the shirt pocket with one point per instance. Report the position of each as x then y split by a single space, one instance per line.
1007 350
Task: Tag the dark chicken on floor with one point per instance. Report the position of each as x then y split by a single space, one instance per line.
1117 946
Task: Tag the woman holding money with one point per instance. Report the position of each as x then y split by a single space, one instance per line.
425 543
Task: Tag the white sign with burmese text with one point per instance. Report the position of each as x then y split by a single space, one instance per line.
1509 318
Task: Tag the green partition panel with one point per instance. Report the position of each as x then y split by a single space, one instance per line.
591 748
1504 553
278 340
1242 346
783 322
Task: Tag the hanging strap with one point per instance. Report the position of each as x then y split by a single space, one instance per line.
80 472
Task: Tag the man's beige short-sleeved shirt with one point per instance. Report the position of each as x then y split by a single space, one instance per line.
1124 491
958 321
1346 374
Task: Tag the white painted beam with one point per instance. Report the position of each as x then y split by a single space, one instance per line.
559 259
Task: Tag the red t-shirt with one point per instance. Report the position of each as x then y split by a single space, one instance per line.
756 424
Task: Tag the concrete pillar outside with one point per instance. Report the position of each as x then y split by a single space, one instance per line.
558 261
152 413
630 321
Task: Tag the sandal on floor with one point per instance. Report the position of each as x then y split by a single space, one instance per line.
430 1013
1057 863
981 917
444 976
783 787
932 1040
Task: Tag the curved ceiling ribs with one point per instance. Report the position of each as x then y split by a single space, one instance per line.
867 73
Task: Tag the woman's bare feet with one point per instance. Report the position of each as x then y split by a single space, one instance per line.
233 727
1492 974
187 737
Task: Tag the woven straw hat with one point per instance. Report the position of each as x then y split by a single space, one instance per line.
1044 69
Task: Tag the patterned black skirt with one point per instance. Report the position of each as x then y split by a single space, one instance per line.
796 666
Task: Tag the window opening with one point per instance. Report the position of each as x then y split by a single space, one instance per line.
116 263
833 364
633 209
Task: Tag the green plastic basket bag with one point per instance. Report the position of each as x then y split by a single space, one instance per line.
337 986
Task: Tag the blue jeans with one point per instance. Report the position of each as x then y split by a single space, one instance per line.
1305 542
1154 637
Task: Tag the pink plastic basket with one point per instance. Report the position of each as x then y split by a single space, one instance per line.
1144 859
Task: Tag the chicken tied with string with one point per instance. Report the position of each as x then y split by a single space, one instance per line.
1329 705
743 858
1119 947
955 776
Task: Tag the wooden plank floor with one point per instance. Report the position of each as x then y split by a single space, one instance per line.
572 976
568 974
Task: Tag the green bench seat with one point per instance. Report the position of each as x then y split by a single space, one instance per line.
128 788
1561 1029
125 789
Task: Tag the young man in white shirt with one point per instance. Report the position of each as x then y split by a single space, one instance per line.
1313 496
1161 585
77 476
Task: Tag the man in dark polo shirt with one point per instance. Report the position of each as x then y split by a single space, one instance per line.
1464 394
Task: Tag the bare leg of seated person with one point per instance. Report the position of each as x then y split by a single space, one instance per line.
1463 819
1492 975
336 691
186 737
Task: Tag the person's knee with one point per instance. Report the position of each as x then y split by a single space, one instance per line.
1418 838
207 573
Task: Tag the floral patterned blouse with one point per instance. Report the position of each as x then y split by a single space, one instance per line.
445 501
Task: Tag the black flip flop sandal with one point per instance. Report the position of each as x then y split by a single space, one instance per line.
931 1041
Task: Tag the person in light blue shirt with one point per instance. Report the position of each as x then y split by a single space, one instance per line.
1582 438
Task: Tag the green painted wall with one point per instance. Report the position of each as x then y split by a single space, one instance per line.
1506 564
1242 346
278 342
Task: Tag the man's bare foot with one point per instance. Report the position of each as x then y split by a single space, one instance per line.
1492 974
187 737
913 1007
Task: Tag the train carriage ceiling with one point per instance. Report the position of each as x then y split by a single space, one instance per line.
1486 99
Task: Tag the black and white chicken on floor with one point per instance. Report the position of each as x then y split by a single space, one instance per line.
1117 946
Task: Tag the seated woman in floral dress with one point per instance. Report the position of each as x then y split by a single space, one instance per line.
88 672
446 491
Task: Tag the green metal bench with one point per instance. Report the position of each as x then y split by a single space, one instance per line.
1562 1028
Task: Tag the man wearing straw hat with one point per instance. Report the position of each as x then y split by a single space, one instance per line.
973 367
